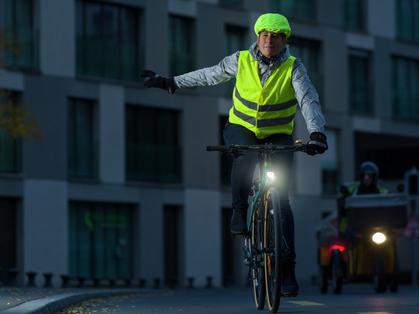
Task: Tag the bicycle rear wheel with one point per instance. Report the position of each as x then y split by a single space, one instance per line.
273 248
258 271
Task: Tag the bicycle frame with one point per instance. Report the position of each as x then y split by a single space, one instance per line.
264 183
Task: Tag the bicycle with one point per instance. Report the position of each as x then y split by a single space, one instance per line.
264 239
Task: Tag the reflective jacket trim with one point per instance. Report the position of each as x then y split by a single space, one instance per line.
265 108
244 117
275 121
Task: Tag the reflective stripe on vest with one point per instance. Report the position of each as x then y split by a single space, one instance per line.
263 110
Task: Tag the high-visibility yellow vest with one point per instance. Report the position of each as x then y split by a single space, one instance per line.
264 110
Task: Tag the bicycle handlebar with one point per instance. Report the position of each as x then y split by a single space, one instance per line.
261 148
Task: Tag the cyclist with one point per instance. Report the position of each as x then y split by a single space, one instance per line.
368 177
269 84
368 184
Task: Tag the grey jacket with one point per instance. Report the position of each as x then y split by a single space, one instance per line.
305 92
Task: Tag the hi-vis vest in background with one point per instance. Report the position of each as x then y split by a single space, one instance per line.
263 110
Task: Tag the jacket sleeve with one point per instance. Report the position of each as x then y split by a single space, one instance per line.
220 73
307 98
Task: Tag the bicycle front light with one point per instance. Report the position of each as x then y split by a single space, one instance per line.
378 237
270 175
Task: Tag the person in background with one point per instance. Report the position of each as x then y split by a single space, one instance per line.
368 184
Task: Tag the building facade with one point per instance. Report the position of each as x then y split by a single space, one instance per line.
121 186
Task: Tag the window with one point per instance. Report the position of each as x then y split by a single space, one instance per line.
405 92
22 24
226 159
329 162
83 150
305 9
181 49
354 14
360 82
173 245
10 147
153 151
108 41
407 23
101 240
235 2
309 52
234 41
8 230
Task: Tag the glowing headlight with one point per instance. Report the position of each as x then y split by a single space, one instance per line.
270 175
378 237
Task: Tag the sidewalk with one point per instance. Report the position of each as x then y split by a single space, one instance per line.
14 300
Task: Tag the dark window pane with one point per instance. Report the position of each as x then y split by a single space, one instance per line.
20 23
226 159
405 94
235 2
108 41
407 22
309 52
153 151
235 37
10 148
182 52
305 9
82 139
100 240
354 14
360 83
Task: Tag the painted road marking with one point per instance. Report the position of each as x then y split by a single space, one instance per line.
305 303
375 313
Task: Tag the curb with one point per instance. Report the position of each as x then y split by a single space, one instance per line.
58 302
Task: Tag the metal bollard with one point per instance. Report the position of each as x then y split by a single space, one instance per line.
31 279
190 282
209 282
96 282
1 284
13 272
81 281
156 283
143 283
65 279
48 280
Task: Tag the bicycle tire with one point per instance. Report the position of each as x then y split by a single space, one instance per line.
380 284
273 248
258 271
337 266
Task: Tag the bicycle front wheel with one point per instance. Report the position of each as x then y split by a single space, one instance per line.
272 248
258 271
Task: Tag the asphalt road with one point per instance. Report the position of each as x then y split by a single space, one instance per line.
354 299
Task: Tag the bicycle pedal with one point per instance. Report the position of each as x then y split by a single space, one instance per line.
289 295
238 235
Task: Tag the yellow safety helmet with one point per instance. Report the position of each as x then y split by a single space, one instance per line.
273 22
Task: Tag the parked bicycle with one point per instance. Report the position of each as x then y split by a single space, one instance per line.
264 243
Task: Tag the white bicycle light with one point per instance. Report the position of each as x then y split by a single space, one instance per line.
270 175
378 237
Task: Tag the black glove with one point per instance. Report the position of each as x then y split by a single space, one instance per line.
159 81
317 143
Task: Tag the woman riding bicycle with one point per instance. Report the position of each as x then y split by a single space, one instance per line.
269 84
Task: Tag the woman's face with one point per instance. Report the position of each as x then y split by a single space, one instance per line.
270 43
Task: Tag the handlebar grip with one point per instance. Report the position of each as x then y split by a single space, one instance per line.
217 148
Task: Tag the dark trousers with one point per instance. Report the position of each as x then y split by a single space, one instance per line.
242 176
